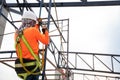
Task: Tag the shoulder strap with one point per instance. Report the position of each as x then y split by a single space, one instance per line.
30 49
21 36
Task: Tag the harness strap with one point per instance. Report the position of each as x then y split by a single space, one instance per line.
24 75
30 49
26 64
23 64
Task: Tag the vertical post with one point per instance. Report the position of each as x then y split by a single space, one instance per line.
49 14
56 72
68 52
112 63
43 75
41 3
93 62
58 59
2 19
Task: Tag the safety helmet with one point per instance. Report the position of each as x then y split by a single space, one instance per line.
29 15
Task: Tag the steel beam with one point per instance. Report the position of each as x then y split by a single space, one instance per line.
67 4
78 58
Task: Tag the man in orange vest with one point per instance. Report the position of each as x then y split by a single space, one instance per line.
33 36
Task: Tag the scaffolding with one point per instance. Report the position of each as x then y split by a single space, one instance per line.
59 57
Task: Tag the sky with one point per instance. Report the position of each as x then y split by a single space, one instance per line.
92 29
97 27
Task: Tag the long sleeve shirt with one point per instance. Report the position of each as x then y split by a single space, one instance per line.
33 36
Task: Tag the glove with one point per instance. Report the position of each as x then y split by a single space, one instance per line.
44 28
39 20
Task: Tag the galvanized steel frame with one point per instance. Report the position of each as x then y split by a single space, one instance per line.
52 47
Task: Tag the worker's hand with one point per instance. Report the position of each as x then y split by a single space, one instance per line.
39 21
44 28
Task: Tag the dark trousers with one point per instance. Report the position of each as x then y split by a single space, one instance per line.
33 77
20 70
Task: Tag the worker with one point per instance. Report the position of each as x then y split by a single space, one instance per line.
29 30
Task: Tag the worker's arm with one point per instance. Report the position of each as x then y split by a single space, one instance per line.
44 38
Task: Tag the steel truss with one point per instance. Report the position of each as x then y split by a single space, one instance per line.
52 48
92 62
62 57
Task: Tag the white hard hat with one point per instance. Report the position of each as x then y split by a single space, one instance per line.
29 15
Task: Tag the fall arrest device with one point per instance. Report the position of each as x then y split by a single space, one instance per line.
29 67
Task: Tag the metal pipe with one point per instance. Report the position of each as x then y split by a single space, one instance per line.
48 24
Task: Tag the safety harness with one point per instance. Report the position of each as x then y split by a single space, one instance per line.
37 62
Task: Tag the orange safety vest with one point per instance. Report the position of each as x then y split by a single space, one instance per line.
33 36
